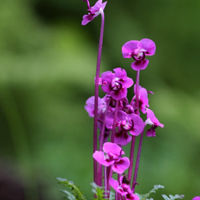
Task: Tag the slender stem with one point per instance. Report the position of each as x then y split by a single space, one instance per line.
133 139
137 92
103 126
101 144
114 121
105 179
109 175
96 95
130 170
137 162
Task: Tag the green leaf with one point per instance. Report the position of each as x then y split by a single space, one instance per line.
69 196
145 196
75 190
171 197
100 192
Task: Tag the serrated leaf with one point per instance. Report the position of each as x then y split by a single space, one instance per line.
145 196
100 192
69 196
74 189
171 197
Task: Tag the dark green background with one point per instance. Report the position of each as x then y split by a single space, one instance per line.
47 68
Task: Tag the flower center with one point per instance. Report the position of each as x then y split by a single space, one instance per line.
139 56
127 124
115 84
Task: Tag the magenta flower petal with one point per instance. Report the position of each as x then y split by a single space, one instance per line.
96 6
131 196
138 125
152 120
106 78
112 148
143 99
196 198
151 132
129 47
89 107
149 46
93 11
140 65
100 158
87 19
121 165
128 82
122 137
116 84
114 184
120 73
118 95
138 50
117 186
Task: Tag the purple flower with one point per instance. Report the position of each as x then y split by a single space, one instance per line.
152 120
89 107
196 198
93 11
138 50
143 99
126 123
123 188
113 157
116 84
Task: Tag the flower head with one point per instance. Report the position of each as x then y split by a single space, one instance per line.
93 11
89 107
116 84
143 99
112 157
123 188
126 123
154 122
138 50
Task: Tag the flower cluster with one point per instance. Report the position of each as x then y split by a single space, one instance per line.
118 119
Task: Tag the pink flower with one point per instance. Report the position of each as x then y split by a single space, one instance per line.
89 107
93 11
152 120
112 157
138 50
143 99
116 84
123 188
126 123
196 198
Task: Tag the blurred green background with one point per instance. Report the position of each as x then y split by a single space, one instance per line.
47 68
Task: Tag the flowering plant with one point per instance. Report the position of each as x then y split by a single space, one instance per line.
120 121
